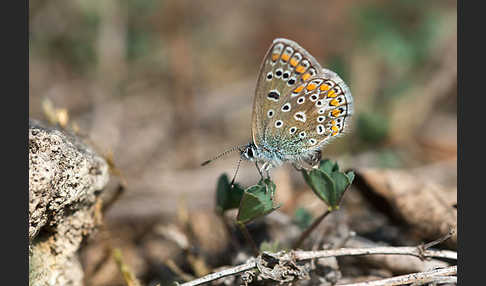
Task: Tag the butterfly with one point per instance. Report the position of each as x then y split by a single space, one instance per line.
298 108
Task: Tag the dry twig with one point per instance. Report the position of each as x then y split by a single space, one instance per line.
128 275
307 255
441 275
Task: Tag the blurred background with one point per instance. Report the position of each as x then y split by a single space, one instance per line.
161 86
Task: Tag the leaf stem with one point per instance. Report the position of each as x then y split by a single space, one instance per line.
311 228
248 237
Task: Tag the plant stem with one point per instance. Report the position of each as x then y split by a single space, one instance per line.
249 238
307 232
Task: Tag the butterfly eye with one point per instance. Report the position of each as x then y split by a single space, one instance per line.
320 103
250 152
278 123
312 141
269 76
292 130
302 134
321 119
320 129
286 75
321 111
314 97
278 73
301 100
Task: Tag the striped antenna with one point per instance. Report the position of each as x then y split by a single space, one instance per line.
236 172
222 154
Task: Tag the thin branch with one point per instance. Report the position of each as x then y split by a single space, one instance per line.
440 240
421 277
439 280
221 274
402 250
307 255
174 268
307 232
248 237
126 272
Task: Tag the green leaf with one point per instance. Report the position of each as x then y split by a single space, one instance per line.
270 246
303 218
327 166
257 201
322 185
350 176
341 182
328 183
227 197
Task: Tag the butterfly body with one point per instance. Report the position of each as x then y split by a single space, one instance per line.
298 108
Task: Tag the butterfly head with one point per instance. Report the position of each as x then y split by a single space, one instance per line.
248 152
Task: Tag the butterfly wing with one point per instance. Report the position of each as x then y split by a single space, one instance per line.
285 66
298 105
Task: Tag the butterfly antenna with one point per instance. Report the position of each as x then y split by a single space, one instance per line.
221 155
236 172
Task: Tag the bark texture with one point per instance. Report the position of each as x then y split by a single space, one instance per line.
65 178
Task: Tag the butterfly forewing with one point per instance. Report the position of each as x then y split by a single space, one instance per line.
285 68
298 106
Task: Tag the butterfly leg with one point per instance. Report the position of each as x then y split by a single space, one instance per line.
314 159
265 168
259 170
298 166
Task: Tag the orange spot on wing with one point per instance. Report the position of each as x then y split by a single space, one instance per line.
333 122
300 69
334 102
331 94
293 62
334 133
335 128
311 86
299 89
335 112
324 87
306 76
275 57
285 57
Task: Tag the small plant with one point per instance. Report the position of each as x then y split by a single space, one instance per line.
327 182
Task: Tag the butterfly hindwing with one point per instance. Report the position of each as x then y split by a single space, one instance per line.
323 110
